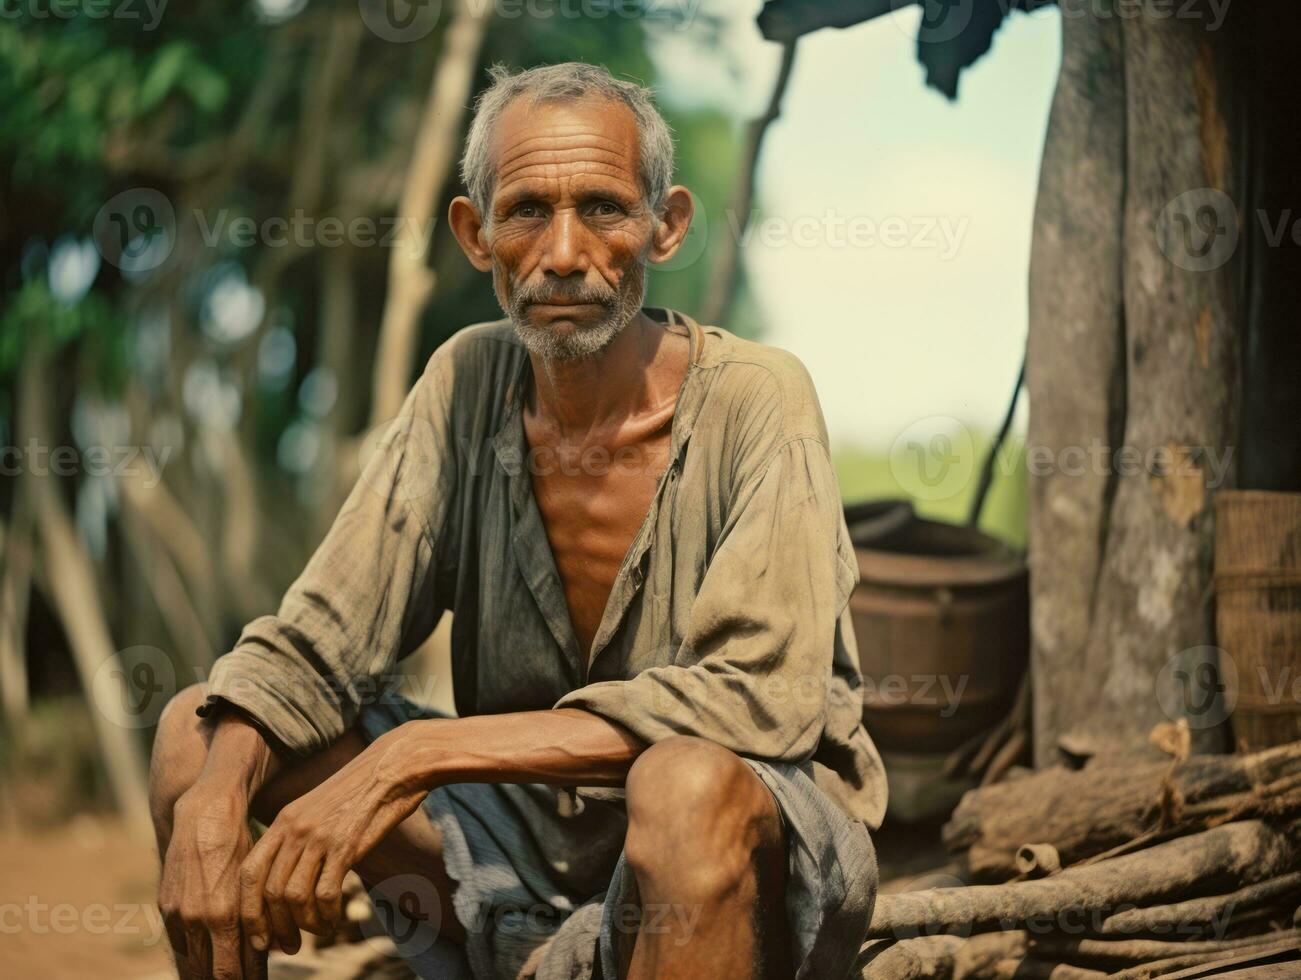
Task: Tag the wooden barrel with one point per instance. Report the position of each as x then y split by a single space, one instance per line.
942 623
1258 611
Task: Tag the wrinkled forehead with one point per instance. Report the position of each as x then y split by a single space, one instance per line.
551 140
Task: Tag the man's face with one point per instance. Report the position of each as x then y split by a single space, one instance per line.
569 231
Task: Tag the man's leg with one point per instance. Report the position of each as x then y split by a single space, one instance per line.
181 748
706 845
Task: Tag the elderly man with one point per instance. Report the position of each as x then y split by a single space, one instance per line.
658 767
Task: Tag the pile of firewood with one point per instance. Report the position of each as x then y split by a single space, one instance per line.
1182 868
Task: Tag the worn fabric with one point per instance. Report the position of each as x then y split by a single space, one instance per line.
524 919
727 619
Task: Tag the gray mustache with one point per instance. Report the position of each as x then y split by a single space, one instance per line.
553 292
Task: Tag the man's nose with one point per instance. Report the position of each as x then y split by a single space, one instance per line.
564 245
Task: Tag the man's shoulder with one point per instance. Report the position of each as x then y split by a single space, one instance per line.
765 380
480 354
481 342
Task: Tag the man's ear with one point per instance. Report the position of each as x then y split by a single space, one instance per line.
467 226
674 220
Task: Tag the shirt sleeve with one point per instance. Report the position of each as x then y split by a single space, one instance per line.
753 671
368 595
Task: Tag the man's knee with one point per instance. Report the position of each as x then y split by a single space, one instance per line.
697 815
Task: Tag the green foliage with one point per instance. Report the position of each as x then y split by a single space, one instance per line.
93 321
91 106
64 87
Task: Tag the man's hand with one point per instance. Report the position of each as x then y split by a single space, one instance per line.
293 878
199 892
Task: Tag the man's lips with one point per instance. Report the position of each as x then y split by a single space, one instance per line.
560 309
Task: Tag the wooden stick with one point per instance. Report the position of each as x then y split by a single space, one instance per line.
909 959
410 279
1159 967
1133 952
1159 918
1101 807
1038 860
1246 851
727 261
75 596
1033 969
1006 757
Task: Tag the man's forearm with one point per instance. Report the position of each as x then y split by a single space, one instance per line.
239 759
560 747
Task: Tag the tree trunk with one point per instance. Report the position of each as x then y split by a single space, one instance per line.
1074 365
1134 423
71 576
410 279
15 589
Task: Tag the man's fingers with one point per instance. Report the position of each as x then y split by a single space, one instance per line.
255 961
283 928
175 933
227 958
329 890
300 890
198 950
252 884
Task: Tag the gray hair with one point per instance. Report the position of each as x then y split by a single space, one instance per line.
571 81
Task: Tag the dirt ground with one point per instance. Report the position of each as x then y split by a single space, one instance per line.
78 902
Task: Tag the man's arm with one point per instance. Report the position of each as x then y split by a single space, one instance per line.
209 841
368 596
293 878
559 747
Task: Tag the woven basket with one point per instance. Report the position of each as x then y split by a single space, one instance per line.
1258 610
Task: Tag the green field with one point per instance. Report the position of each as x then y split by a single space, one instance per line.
867 474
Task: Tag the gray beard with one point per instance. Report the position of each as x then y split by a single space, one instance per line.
551 345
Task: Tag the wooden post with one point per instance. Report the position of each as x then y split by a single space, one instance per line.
1074 363
1133 404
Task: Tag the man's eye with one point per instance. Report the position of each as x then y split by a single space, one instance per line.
527 211
606 209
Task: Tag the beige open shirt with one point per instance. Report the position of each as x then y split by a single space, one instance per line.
727 619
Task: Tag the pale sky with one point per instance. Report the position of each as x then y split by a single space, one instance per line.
893 240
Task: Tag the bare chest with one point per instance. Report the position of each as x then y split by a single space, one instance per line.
593 502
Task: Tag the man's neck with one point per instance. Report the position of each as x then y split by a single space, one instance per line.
583 394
